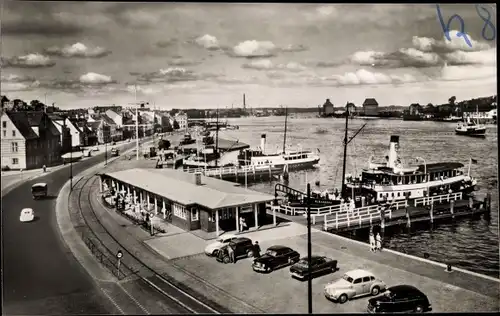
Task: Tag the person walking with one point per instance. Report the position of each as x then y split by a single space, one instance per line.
378 240
372 240
242 221
230 252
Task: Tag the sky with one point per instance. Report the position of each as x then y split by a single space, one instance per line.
188 55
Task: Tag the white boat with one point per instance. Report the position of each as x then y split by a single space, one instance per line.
393 181
470 128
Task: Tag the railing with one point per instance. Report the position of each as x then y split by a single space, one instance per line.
359 216
226 170
438 198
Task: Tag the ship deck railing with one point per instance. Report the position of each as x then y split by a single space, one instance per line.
438 198
251 169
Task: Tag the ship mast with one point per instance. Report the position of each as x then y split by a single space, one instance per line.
345 143
217 137
284 137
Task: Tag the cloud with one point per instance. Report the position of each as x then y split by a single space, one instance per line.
428 52
253 49
12 83
173 74
166 43
462 73
78 50
323 64
34 60
294 48
208 41
183 62
266 64
92 78
365 77
141 89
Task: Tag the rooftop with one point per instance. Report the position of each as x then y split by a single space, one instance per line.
180 187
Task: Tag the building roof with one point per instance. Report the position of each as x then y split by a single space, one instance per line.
112 114
327 103
370 101
21 122
55 117
180 187
107 119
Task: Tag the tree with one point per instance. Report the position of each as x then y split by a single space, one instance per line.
164 144
176 125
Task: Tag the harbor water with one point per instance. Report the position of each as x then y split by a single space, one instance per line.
472 244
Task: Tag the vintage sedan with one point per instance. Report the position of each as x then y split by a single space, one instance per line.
27 215
213 248
319 265
400 299
274 258
353 284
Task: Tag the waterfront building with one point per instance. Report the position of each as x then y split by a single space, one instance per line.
327 108
370 107
30 140
189 201
182 120
351 108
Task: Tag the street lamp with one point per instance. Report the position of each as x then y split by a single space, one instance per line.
309 251
71 169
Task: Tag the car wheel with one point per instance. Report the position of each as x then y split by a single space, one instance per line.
249 253
343 298
419 309
215 252
375 290
226 260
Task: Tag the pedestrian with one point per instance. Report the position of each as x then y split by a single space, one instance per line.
378 239
245 227
44 168
230 252
372 241
256 249
241 224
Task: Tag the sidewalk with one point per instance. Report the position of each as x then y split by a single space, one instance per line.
10 179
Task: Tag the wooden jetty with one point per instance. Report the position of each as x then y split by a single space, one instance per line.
340 218
238 174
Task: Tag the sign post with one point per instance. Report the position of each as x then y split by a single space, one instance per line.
119 256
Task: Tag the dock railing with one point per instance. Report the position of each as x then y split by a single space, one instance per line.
438 198
224 170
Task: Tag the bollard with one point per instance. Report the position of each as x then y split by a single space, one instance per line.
448 268
431 213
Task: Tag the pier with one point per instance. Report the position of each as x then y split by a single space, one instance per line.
340 218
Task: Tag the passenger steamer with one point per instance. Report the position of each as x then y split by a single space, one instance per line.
300 159
392 181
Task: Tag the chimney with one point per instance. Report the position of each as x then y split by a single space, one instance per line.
393 151
263 143
197 178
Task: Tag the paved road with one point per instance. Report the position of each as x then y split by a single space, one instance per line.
40 274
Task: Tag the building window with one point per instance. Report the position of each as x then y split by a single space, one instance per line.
15 161
194 214
180 211
15 147
4 124
13 133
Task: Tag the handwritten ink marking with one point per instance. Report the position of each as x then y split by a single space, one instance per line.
487 22
446 27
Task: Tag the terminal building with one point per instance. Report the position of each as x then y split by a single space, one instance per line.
190 201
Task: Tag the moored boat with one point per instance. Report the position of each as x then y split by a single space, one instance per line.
470 128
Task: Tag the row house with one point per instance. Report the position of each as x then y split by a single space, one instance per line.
30 140
115 133
64 131
117 117
87 136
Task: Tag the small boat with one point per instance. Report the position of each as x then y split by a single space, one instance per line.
470 128
452 118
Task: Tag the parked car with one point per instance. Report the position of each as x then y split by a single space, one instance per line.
400 299
353 284
274 258
243 248
213 248
319 264
27 215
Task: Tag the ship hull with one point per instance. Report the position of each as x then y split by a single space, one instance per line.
477 132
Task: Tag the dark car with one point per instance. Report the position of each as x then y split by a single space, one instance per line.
319 265
243 248
400 299
274 258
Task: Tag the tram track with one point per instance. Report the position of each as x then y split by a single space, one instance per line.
132 268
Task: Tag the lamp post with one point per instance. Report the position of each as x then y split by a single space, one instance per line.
309 251
71 169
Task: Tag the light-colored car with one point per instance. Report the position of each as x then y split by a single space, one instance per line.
353 284
213 248
27 215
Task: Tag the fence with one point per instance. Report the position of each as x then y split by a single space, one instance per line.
438 198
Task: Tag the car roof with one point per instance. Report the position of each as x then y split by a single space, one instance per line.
358 273
404 289
27 210
242 239
227 236
278 247
40 184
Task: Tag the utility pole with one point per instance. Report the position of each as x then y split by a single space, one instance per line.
136 124
345 152
309 251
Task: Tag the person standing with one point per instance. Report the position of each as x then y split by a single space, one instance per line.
372 240
378 240
242 221
256 249
230 252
